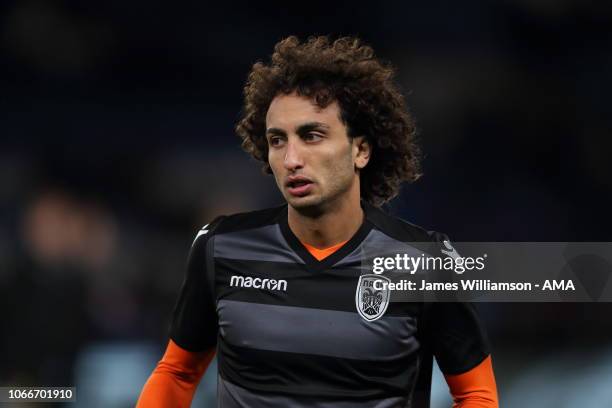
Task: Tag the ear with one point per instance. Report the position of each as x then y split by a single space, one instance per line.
362 151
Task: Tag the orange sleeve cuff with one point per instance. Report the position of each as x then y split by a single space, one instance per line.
475 388
174 381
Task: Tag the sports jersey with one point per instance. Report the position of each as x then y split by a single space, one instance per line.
291 331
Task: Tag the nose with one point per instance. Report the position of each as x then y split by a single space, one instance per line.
293 156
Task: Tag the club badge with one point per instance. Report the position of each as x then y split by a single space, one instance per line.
371 302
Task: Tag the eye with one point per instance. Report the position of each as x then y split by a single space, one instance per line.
312 137
275 141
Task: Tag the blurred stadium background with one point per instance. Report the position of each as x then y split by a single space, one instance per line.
117 144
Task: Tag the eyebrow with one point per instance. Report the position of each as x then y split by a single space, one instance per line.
304 127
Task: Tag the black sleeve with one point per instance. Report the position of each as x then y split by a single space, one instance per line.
455 334
194 320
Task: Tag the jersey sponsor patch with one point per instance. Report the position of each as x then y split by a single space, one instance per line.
372 303
258 283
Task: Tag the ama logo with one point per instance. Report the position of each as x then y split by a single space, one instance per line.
372 303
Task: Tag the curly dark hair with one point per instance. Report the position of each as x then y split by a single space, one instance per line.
370 104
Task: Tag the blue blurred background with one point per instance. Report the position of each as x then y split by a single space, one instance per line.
117 145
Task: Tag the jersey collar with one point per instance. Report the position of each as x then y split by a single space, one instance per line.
313 263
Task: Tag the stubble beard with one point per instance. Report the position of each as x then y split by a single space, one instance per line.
340 180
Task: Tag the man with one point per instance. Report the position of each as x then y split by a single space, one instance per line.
277 292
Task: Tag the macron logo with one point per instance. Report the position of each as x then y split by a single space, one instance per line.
258 283
201 232
452 252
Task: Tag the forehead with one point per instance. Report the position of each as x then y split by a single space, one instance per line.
288 111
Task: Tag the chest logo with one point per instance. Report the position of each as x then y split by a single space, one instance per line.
371 302
258 283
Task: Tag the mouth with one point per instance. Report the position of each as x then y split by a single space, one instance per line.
299 186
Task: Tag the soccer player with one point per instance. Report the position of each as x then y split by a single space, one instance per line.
276 293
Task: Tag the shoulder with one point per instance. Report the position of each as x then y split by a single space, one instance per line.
235 222
400 229
403 231
242 221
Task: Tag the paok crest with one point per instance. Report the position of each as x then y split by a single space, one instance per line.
372 303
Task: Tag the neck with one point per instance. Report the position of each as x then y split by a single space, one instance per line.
336 223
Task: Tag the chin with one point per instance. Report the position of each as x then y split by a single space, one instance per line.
307 203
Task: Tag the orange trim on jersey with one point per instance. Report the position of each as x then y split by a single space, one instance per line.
174 381
475 388
321 254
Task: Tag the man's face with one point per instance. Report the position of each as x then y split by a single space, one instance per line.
313 160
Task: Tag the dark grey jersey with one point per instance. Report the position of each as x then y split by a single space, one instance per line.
292 331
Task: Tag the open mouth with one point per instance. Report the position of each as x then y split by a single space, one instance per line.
299 186
298 183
